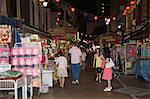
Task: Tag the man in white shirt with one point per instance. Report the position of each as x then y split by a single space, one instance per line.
75 63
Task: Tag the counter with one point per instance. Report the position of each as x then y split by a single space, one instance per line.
142 68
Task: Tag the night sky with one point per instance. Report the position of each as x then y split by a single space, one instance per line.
88 6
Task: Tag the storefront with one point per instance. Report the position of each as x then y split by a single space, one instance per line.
138 53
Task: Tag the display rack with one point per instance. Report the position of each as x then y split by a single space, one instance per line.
130 55
13 83
26 57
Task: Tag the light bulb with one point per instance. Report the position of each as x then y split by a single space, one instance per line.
45 4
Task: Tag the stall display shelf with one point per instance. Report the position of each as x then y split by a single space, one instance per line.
130 55
26 57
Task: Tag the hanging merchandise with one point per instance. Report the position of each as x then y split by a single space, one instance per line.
5 34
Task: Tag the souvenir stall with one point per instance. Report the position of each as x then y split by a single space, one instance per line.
139 52
130 56
142 62
11 79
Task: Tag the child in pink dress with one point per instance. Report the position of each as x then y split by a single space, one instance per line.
107 75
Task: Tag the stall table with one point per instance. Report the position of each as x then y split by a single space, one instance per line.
14 84
142 68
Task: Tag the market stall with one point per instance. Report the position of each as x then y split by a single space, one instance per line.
140 52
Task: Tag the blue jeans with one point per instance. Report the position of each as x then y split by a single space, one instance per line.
75 71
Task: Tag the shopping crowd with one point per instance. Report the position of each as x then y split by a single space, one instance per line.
80 58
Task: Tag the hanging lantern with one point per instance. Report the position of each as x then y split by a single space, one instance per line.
132 2
58 19
114 18
57 0
59 13
125 11
95 18
72 9
128 8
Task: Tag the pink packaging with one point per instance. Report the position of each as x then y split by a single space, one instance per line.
21 51
35 51
22 61
14 51
28 61
29 71
4 61
15 61
28 51
35 60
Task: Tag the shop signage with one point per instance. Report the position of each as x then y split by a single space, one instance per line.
5 34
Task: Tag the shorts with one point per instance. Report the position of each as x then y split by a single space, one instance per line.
98 70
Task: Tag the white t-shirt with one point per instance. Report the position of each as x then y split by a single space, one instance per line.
75 55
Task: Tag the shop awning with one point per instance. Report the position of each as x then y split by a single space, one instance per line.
139 34
9 21
31 29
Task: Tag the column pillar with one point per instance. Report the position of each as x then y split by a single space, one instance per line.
3 8
18 9
36 14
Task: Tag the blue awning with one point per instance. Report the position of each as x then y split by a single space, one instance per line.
9 21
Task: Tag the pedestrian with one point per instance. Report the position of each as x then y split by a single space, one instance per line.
83 59
61 62
97 63
107 72
75 62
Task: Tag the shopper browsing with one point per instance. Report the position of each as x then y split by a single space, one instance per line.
62 68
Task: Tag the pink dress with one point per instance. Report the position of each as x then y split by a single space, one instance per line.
107 74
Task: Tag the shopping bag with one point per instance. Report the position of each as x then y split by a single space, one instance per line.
103 63
110 64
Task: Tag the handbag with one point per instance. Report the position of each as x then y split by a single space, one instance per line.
110 64
103 63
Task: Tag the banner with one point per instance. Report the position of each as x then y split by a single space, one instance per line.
5 34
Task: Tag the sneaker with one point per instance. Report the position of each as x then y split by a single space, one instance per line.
77 82
96 79
107 89
74 82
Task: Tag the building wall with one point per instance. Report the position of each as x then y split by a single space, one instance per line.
3 7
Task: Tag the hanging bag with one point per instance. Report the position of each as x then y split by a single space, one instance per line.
110 64
103 63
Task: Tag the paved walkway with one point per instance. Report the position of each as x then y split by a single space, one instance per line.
89 89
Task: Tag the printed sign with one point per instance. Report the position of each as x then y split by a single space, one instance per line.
5 34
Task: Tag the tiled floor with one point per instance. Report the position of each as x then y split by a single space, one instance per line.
89 89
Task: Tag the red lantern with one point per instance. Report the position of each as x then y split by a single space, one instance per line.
72 9
59 13
57 0
125 11
95 18
128 8
114 18
132 2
